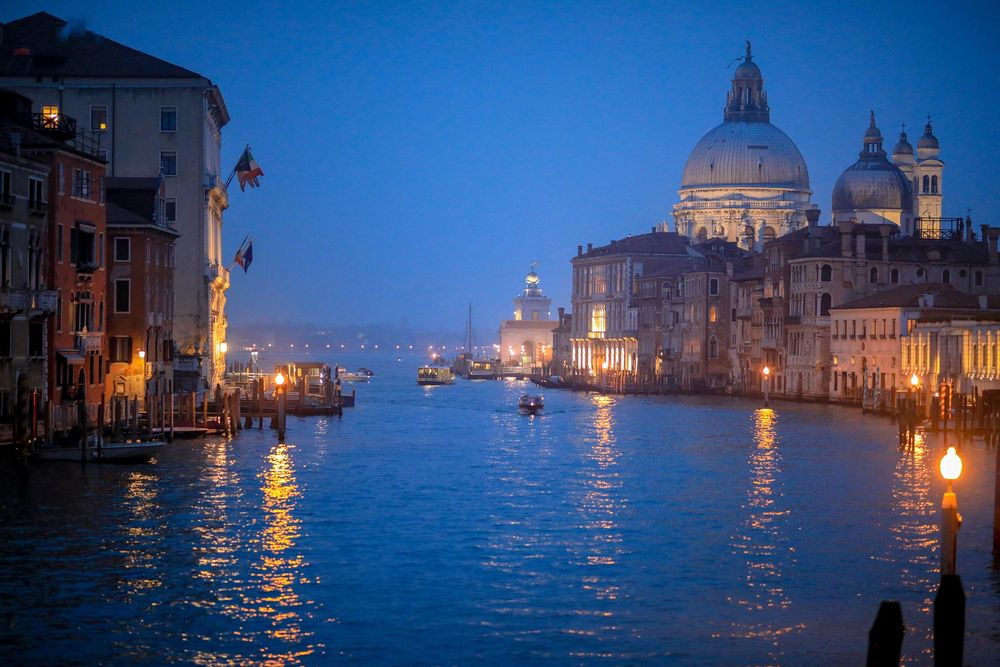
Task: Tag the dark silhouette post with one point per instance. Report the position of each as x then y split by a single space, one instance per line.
885 639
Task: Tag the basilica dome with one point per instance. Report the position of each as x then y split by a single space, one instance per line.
872 183
743 153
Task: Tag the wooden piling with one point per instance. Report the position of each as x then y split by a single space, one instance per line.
949 622
885 639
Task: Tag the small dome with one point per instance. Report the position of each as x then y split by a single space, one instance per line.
873 133
873 186
903 147
748 70
531 278
928 140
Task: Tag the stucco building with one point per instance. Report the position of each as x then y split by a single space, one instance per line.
526 341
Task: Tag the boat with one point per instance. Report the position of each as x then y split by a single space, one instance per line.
481 369
356 376
531 404
435 375
553 382
131 451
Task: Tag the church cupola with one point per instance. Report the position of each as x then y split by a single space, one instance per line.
927 146
902 152
872 142
747 100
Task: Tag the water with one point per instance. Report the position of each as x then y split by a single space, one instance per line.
438 526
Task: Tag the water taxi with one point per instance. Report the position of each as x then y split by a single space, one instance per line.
531 404
435 375
481 369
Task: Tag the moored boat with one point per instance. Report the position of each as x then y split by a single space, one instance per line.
139 450
531 404
435 375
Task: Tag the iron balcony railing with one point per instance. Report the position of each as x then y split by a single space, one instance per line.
87 341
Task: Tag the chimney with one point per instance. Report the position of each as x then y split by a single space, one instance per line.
590 246
861 245
992 234
845 237
884 230
812 216
579 251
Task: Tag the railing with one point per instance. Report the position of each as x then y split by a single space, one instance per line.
57 124
86 267
15 300
37 208
88 341
46 301
941 228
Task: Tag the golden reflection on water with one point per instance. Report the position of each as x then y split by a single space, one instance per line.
762 542
143 530
601 502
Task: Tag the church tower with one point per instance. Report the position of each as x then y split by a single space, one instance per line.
927 193
531 304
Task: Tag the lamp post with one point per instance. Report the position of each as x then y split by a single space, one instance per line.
767 384
279 395
949 603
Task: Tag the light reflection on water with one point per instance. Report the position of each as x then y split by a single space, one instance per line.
762 543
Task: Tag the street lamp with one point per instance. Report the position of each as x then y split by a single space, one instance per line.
951 520
949 603
767 384
142 354
279 407
223 347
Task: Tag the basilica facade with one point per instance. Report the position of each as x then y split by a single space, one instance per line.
745 181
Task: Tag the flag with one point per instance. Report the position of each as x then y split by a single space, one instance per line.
247 170
244 256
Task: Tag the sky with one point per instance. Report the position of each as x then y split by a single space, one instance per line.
419 156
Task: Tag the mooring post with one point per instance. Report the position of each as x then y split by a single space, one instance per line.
885 639
949 622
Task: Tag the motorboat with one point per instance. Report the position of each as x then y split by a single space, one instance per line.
531 404
360 375
435 375
135 450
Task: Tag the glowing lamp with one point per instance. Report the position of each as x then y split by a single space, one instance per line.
604 365
767 371
951 465
223 347
279 379
914 380
142 354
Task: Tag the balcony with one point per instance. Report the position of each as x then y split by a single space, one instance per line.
13 300
88 341
37 209
58 126
46 302
86 268
215 272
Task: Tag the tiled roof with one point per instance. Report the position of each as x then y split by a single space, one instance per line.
910 296
46 45
654 243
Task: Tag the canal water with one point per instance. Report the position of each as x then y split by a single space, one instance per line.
436 525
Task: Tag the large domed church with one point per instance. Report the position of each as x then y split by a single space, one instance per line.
745 181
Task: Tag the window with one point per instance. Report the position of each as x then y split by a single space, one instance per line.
35 198
59 310
713 348
979 278
99 118
920 273
825 273
598 318
59 242
927 184
50 117
170 210
100 250
123 296
824 304
934 187
81 183
713 287
873 275
121 349
81 246
5 337
946 276
168 163
62 179
6 196
123 249
713 314
894 276
35 338
168 119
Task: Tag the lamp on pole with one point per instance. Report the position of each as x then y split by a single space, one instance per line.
949 603
767 384
279 396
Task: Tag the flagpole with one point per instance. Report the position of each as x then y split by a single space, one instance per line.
239 250
233 172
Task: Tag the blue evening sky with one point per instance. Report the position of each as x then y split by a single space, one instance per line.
420 155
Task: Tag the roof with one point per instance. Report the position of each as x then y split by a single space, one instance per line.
46 45
913 296
653 243
740 154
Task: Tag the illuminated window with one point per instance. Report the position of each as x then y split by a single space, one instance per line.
99 118
598 318
713 314
50 116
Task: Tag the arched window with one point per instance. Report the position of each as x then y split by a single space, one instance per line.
927 184
703 234
713 314
894 276
713 348
933 185
768 234
873 275
825 273
946 276
824 304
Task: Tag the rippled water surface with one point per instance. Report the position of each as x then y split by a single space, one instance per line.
438 526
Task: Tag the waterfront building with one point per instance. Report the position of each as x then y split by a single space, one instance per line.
76 269
152 117
943 335
745 181
526 340
25 302
746 334
141 281
562 354
605 344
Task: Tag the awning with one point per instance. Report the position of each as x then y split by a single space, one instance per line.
72 357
